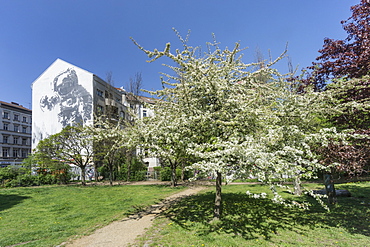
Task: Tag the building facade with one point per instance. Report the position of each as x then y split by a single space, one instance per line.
65 94
15 133
139 104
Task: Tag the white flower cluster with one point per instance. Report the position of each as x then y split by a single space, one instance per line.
256 196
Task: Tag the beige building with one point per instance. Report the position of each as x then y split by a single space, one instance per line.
15 133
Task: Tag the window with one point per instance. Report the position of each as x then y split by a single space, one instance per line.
122 115
15 152
6 115
24 141
99 109
15 140
145 114
5 139
24 119
99 93
24 153
16 117
16 128
5 152
108 95
24 129
6 126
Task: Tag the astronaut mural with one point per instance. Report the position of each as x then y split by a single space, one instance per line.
73 100
61 96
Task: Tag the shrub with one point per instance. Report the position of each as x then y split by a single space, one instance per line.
27 180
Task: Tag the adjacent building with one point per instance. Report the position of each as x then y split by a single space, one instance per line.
15 133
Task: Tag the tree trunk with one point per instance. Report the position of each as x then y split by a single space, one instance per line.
110 174
95 171
83 175
182 172
173 174
218 199
297 185
329 187
128 163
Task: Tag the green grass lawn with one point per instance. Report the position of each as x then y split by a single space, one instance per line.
259 222
50 215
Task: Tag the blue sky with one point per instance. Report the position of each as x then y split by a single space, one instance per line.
94 34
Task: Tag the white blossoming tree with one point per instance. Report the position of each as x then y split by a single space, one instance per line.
109 139
233 119
114 140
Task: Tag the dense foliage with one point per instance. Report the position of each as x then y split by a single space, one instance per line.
342 72
348 57
15 177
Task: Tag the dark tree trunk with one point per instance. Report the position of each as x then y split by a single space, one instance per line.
218 199
128 162
110 174
173 174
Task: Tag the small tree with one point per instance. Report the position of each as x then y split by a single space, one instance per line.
109 138
351 101
73 145
165 139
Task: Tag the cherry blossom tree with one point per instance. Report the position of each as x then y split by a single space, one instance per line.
233 119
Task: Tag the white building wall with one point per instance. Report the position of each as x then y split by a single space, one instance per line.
61 96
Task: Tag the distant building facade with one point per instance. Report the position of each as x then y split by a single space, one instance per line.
139 106
15 133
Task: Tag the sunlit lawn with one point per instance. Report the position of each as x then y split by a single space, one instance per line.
259 222
48 216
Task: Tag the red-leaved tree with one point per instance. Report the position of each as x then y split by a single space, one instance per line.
348 57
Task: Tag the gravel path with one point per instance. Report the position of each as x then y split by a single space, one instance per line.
123 232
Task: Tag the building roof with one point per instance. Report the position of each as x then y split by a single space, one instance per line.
131 97
14 105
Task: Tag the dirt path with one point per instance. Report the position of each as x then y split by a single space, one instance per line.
123 232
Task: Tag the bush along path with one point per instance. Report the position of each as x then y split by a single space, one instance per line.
124 232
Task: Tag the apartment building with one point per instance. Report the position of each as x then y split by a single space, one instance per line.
139 106
65 94
15 133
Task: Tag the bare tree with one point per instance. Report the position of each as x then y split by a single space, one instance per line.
109 78
133 89
135 84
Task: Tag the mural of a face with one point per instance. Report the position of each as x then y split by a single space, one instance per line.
74 101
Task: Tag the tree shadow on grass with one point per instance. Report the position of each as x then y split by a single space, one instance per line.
353 213
8 201
250 217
